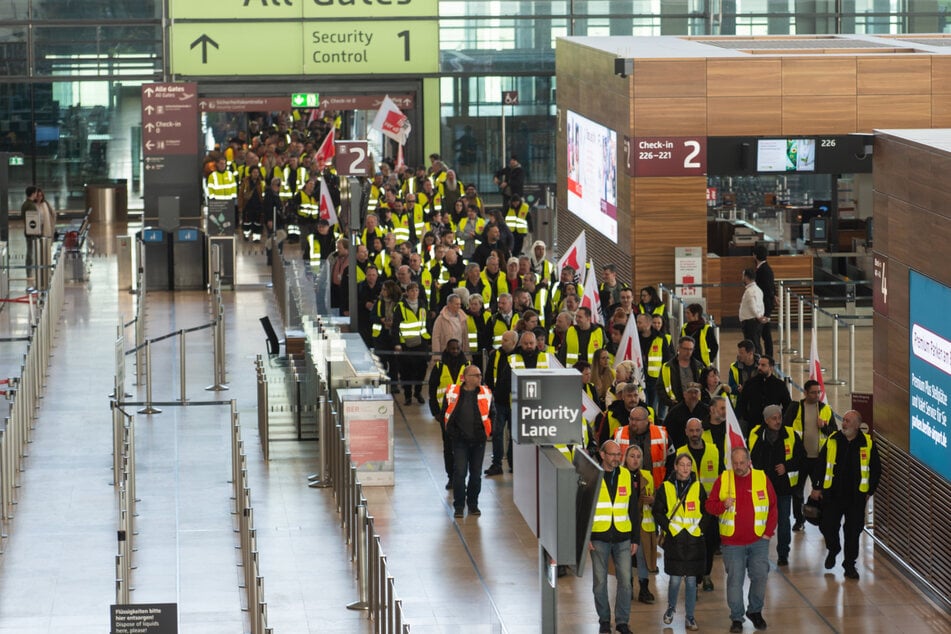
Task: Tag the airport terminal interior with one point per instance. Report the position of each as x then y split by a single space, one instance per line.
214 548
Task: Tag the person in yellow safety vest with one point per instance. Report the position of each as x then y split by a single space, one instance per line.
372 228
498 376
307 204
700 330
417 214
742 369
363 261
503 319
221 182
647 548
650 303
582 339
468 416
376 193
294 177
477 325
557 294
494 282
670 389
651 438
446 372
473 281
744 501
678 511
429 198
516 217
849 470
618 412
528 356
402 221
778 451
472 198
613 537
707 466
539 297
815 422
468 230
409 325
322 243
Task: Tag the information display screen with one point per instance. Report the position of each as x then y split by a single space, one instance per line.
592 174
786 155
929 367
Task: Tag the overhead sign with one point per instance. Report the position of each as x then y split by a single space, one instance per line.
546 407
15 160
244 104
880 284
310 10
365 102
305 100
352 158
170 119
510 97
665 156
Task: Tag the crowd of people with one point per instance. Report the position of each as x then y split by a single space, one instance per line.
453 295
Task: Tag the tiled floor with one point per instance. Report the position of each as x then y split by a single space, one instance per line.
472 576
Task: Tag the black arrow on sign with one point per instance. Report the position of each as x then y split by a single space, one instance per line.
204 40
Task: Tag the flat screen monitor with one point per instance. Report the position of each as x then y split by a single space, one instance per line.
592 174
786 155
818 231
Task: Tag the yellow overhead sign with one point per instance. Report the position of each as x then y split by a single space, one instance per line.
301 9
296 48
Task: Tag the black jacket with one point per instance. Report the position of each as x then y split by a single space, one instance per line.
845 473
757 393
684 554
765 456
767 283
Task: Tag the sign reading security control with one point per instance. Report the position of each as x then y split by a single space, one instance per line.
546 407
314 37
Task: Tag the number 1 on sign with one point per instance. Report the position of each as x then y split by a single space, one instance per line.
405 36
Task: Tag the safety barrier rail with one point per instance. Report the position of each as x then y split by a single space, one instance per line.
123 453
253 581
28 387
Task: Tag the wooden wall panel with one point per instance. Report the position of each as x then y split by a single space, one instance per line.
890 410
744 116
713 295
809 115
819 78
655 78
893 112
785 267
744 77
657 117
940 111
941 75
897 75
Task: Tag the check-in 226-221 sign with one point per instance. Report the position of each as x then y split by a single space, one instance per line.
665 156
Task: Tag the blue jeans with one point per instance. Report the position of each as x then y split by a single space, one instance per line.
467 458
784 529
673 589
738 561
503 418
642 572
621 554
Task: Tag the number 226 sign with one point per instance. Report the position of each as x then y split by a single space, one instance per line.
665 156
352 158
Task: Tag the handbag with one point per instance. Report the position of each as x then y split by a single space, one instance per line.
680 501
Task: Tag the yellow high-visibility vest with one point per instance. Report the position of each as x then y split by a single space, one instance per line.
688 515
709 467
865 460
760 502
607 512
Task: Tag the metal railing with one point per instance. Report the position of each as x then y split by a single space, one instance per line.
123 452
25 391
253 581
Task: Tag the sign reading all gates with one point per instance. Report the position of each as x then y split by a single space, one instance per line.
546 407
169 119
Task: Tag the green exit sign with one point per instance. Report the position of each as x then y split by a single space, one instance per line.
305 100
15 160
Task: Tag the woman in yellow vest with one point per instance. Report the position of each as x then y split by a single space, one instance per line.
647 550
678 511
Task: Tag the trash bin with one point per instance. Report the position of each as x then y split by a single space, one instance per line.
108 200
188 259
158 258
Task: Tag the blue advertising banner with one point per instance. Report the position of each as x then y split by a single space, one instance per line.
930 372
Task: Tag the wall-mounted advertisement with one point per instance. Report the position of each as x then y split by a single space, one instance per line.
592 174
929 372
786 155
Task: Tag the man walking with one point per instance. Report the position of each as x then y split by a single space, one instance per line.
752 310
745 502
849 469
467 414
611 538
766 282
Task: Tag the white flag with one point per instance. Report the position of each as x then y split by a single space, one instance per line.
815 368
733 437
575 256
326 205
591 298
391 121
629 349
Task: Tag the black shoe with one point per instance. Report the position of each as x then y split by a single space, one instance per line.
408 400
758 621
851 572
494 470
736 626
645 596
474 510
782 561
623 628
449 484
460 512
605 627
420 399
830 560
799 525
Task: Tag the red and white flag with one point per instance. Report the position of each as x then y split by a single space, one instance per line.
815 368
591 298
391 121
589 409
575 256
326 150
400 160
326 205
733 437
629 349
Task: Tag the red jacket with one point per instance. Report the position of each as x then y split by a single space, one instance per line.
743 534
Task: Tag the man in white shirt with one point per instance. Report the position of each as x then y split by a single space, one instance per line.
752 311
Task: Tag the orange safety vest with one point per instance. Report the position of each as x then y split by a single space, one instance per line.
485 405
658 450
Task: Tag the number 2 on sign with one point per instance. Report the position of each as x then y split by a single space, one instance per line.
689 161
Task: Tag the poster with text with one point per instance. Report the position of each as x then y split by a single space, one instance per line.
592 174
929 372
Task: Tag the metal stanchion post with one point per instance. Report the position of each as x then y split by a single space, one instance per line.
148 409
802 335
218 342
835 353
789 334
361 544
781 317
181 366
852 355
716 334
321 480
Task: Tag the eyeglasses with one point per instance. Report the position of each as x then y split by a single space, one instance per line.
613 454
474 374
